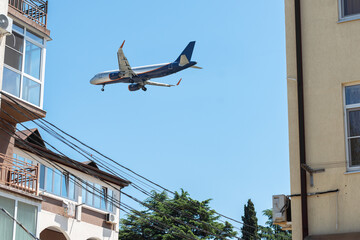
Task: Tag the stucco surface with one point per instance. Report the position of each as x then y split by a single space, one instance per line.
331 53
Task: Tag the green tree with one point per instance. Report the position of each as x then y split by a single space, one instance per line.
169 219
271 231
249 229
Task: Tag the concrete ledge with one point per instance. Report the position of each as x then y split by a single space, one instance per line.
19 110
39 29
19 192
344 236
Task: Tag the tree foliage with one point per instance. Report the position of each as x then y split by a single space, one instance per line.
249 229
170 219
271 231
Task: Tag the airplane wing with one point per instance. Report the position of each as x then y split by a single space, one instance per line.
124 65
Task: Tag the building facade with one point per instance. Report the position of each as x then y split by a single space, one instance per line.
323 79
52 196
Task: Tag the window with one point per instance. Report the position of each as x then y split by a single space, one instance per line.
349 9
352 120
97 196
26 214
24 65
56 182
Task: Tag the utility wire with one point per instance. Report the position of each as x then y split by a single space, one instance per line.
106 157
146 205
142 190
116 202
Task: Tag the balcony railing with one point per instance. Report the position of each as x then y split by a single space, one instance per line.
36 10
19 174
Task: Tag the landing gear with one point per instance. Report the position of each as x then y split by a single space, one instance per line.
103 88
144 89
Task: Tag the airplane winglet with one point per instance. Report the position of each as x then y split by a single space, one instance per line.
122 44
179 82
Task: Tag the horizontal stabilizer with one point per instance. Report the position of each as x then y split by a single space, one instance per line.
196 67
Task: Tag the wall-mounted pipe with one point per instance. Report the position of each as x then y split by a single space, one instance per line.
300 91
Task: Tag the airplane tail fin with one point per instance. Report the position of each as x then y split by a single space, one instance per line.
187 53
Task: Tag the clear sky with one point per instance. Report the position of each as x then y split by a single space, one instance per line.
222 134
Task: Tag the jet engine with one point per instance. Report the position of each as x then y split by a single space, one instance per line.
134 87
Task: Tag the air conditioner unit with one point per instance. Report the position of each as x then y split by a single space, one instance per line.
281 209
5 24
110 218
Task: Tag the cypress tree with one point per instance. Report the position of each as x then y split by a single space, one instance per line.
249 229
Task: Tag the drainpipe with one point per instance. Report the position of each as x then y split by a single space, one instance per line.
300 92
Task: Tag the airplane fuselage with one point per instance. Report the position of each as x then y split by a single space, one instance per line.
143 73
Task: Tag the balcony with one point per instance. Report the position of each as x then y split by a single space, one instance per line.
35 10
19 174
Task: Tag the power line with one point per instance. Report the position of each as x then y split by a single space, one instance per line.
47 129
118 203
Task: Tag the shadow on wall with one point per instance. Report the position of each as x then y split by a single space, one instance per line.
63 221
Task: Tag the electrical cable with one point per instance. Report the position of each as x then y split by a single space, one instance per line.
179 221
143 192
113 173
111 159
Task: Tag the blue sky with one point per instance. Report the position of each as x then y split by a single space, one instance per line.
222 134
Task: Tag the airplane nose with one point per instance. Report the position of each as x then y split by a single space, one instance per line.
93 80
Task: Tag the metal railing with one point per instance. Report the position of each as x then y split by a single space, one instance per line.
19 174
36 10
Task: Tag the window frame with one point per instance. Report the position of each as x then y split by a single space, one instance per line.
22 73
109 206
348 108
69 179
342 17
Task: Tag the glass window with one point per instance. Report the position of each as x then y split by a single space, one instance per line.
57 182
6 223
352 117
26 214
32 60
110 197
18 45
97 194
49 180
89 194
351 7
352 94
65 185
18 28
104 197
35 37
31 91
42 176
13 58
11 82
71 187
83 193
23 56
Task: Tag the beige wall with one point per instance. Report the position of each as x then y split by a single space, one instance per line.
331 58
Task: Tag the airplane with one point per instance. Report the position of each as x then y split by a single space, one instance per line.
138 77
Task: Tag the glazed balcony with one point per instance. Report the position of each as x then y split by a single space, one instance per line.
19 174
35 10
